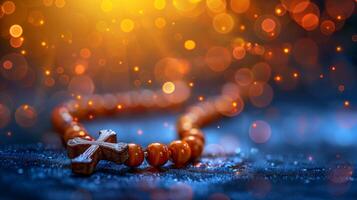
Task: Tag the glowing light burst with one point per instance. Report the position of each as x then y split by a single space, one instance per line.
168 87
15 30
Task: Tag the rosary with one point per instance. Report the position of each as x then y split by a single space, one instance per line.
85 152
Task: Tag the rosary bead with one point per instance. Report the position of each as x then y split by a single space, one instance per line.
196 146
180 152
194 132
209 116
74 130
185 124
182 129
157 154
95 105
61 118
136 155
109 103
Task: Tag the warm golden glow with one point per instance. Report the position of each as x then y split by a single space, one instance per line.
190 44
127 25
106 5
8 7
223 23
15 30
48 72
160 22
159 4
136 68
347 103
168 87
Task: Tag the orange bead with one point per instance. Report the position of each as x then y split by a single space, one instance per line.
75 130
194 132
180 152
185 124
61 118
157 154
196 146
136 155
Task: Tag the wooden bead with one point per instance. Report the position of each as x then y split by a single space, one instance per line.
157 154
61 118
196 146
75 130
136 155
194 132
180 152
185 124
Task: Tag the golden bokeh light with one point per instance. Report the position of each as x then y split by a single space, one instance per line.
244 76
7 64
168 87
136 68
106 5
127 25
310 21
60 3
160 22
36 18
240 6
295 5
170 68
79 69
280 10
286 50
14 67
239 53
223 23
8 7
218 58
190 44
16 42
15 30
327 27
216 6
160 4
85 53
346 103
268 25
185 5
47 3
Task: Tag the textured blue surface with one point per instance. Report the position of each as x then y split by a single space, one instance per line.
41 172
310 155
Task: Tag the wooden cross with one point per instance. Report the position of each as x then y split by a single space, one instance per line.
86 154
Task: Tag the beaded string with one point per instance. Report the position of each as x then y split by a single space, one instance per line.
191 141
